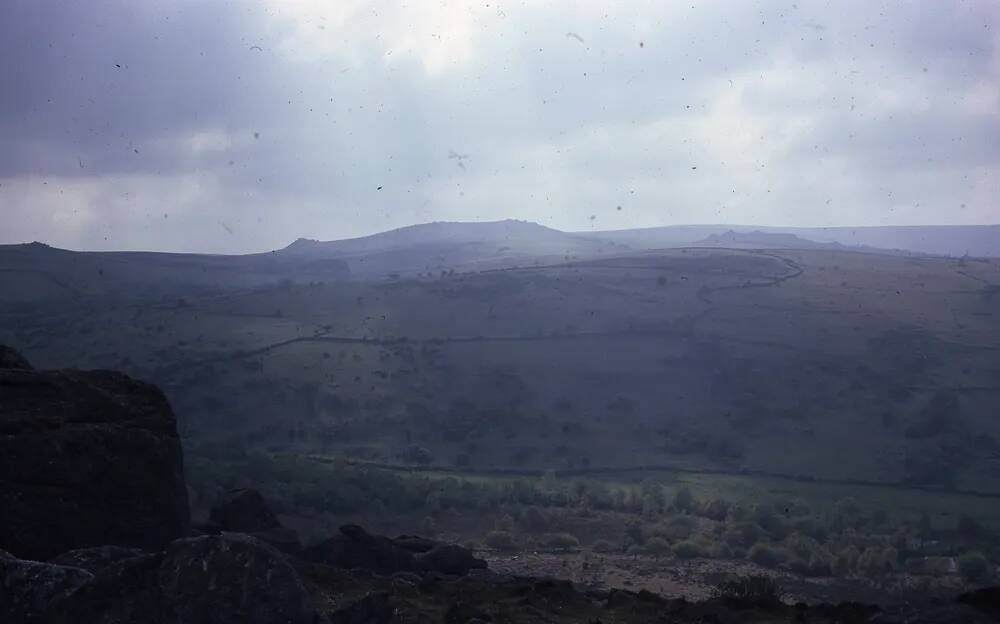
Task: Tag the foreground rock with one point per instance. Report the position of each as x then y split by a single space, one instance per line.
87 458
448 559
27 588
223 579
9 358
97 558
354 547
245 511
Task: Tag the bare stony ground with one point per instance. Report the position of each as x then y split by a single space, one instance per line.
695 579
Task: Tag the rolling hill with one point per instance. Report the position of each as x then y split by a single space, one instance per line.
942 240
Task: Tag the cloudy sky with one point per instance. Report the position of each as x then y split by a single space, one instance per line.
239 126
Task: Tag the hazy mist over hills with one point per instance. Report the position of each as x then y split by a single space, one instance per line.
538 312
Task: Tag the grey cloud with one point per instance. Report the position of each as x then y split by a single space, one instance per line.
556 129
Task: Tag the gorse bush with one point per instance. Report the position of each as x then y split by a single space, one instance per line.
767 555
676 528
500 540
974 566
560 541
657 546
683 499
743 534
878 560
689 549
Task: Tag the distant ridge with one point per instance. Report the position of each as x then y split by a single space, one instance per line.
944 240
511 237
436 232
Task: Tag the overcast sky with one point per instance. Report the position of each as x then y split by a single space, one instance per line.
240 126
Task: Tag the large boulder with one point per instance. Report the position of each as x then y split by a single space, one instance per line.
87 458
9 358
245 511
356 548
27 588
415 543
224 579
96 558
448 559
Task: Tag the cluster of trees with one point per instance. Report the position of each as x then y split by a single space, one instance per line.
660 521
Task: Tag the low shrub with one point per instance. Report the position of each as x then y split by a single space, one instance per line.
560 541
689 549
877 560
767 555
752 590
715 509
742 534
676 528
500 540
657 546
974 566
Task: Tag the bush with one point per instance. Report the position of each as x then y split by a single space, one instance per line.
812 526
929 566
534 519
676 528
742 534
722 550
560 541
753 590
974 566
875 560
634 534
416 455
715 509
657 546
689 549
500 540
846 561
768 519
969 528
428 527
802 546
815 566
766 555
602 546
683 499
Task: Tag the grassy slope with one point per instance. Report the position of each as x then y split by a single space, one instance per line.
798 362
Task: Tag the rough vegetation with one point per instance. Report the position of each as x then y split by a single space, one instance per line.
357 576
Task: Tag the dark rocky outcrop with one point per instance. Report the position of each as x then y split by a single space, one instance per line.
375 608
222 579
947 613
245 511
27 588
415 543
87 458
356 548
97 558
448 559
9 358
986 599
